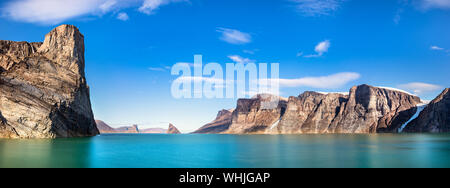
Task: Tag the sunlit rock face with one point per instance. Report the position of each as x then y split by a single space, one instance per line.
435 118
366 109
173 130
43 89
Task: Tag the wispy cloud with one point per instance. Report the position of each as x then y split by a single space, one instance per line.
322 82
434 4
233 36
160 69
123 16
320 49
239 59
317 7
436 48
150 6
51 12
420 88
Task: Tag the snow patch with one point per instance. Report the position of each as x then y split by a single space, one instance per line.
275 124
395 89
420 108
326 93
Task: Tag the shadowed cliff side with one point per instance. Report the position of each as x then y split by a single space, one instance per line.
219 125
435 118
43 89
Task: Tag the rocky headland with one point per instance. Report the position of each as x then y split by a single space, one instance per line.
365 109
43 89
173 130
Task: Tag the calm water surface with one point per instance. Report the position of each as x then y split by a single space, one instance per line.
230 151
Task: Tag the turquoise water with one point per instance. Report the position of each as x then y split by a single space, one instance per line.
230 151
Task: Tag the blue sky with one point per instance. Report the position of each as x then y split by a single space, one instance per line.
131 45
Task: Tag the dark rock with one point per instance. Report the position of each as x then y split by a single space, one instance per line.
435 118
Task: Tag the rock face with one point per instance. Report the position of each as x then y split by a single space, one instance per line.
251 117
435 118
365 109
219 125
43 89
131 129
103 127
173 130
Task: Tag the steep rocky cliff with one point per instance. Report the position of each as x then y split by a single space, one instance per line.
435 118
365 109
173 130
250 115
219 125
43 89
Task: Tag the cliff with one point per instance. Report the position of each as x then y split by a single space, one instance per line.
366 109
435 118
173 130
219 125
43 89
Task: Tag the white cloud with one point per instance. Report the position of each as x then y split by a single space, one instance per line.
108 6
150 6
160 69
233 36
320 49
317 7
52 12
322 82
431 4
123 16
239 59
436 48
420 88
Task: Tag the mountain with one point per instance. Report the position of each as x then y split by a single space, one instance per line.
435 118
173 130
365 109
105 129
130 129
43 89
219 125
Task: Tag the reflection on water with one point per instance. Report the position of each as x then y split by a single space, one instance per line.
45 153
230 151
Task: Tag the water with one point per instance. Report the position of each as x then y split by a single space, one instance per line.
230 151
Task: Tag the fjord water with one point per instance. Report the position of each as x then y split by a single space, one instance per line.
230 151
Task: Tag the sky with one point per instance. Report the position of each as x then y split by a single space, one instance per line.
320 45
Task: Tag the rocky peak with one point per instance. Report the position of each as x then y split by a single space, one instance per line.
173 130
65 46
43 90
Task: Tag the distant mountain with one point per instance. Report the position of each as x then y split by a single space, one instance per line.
173 130
365 109
435 118
105 128
219 125
153 131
